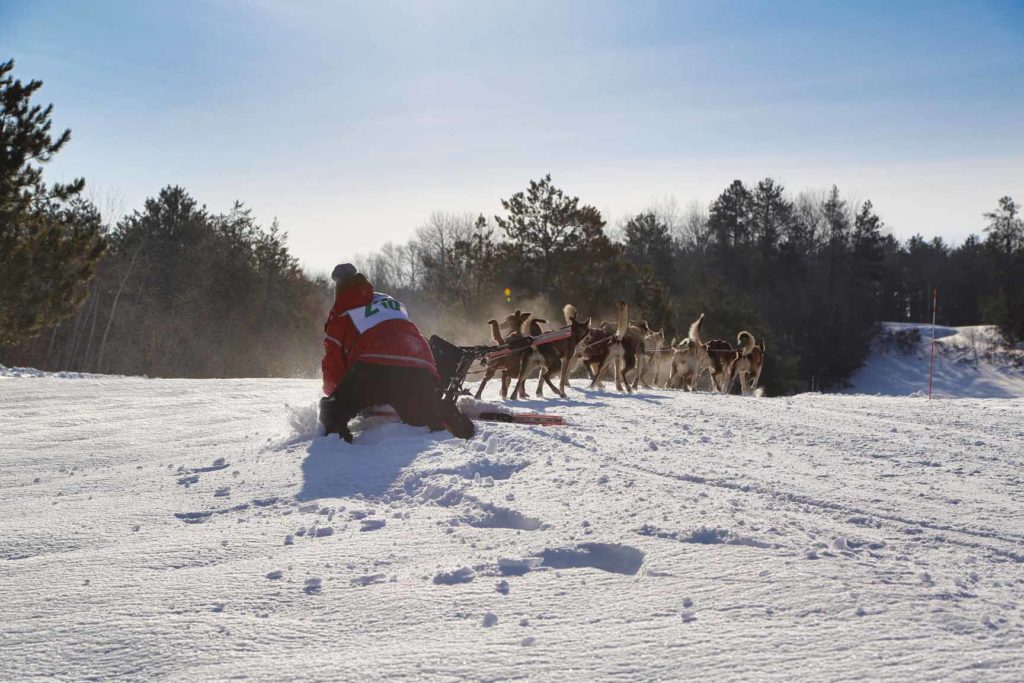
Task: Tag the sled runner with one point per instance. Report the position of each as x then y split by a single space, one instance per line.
522 418
539 419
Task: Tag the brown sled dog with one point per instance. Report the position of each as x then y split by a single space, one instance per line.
567 348
509 365
641 337
545 356
719 357
749 362
621 351
594 349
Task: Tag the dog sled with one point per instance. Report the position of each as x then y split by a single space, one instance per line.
454 364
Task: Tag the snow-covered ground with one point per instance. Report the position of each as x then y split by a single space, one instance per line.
969 362
198 530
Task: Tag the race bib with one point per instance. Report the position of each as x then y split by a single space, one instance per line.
382 308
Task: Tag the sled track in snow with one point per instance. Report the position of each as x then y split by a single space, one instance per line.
850 510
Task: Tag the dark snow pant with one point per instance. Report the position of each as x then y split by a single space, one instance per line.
414 393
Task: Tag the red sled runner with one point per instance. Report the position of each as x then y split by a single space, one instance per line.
540 419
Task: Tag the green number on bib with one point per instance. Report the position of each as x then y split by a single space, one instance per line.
370 310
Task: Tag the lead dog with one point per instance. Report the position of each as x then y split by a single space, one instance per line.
717 358
749 362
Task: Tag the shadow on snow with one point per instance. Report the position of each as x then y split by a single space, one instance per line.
369 466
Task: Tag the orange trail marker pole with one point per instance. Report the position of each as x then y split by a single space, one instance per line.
931 363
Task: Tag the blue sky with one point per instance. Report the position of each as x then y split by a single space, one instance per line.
352 121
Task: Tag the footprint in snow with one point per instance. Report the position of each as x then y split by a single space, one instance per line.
218 464
450 578
369 579
312 586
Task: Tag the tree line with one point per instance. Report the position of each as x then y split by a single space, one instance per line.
170 290
175 290
812 274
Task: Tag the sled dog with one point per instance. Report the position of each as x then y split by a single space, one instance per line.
689 359
545 357
567 348
749 362
509 365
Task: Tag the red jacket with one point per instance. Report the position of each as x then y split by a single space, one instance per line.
369 327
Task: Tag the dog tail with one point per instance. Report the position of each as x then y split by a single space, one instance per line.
745 341
570 313
694 333
531 326
496 332
622 324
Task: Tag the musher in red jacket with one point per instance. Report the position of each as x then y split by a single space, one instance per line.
375 355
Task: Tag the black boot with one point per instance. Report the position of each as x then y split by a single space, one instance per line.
455 422
332 419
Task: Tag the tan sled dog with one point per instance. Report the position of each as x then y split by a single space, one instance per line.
509 365
749 362
621 352
689 359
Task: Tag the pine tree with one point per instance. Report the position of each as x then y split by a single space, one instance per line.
50 238
730 217
649 244
543 223
1006 240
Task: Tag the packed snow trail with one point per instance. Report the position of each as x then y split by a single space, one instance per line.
199 530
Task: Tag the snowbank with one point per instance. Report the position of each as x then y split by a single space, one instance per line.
970 362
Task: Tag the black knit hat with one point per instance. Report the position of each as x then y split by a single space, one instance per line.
343 271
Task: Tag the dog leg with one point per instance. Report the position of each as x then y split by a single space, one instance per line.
524 371
642 374
596 383
547 378
487 378
563 377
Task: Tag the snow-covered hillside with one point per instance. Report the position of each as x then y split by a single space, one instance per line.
970 361
198 530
